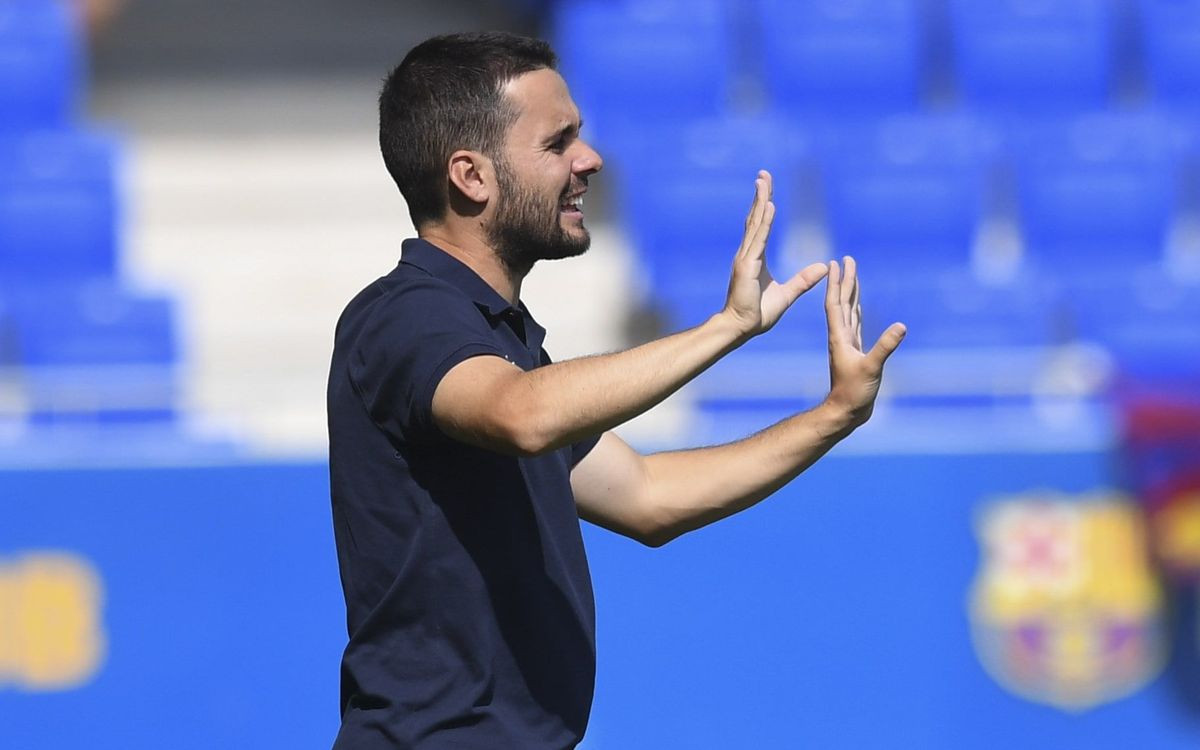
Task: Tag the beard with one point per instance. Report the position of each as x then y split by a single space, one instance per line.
526 227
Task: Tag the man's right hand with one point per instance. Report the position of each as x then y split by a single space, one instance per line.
756 301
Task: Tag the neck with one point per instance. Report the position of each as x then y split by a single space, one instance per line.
472 249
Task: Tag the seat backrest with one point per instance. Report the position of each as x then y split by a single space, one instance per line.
908 191
848 56
1171 49
40 64
1033 55
58 205
645 61
1098 189
91 323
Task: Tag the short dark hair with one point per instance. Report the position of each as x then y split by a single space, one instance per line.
447 94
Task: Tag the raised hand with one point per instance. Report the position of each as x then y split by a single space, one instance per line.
854 376
756 301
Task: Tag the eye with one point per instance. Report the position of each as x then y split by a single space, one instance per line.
559 145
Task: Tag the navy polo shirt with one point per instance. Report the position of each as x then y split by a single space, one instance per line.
468 599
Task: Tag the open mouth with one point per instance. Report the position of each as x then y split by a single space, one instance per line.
572 205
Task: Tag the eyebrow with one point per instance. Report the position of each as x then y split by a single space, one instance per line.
571 128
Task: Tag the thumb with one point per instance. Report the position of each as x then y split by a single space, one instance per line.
887 344
805 279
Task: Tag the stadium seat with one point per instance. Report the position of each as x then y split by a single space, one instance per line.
645 61
953 310
907 194
1027 57
94 351
1097 193
58 206
40 64
1171 44
841 56
685 192
1150 326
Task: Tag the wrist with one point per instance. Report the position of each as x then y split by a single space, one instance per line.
837 419
731 327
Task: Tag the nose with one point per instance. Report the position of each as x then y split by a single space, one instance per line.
587 161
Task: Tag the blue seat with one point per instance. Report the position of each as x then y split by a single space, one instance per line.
1171 44
1150 326
1097 193
685 204
94 351
907 193
954 310
1022 56
40 64
58 205
645 60
841 56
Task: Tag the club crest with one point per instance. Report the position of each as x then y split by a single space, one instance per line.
1173 509
1064 609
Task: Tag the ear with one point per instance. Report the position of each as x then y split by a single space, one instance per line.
471 173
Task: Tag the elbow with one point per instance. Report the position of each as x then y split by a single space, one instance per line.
655 532
656 538
523 433
528 444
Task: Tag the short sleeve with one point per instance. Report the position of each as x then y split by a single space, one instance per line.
414 335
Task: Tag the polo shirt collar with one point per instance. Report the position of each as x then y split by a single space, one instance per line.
437 262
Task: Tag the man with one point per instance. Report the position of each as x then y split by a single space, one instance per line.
461 459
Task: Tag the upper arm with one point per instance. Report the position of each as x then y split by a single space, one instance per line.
610 485
474 402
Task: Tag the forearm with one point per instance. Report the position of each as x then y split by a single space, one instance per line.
567 401
685 490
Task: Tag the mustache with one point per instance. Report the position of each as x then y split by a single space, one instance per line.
577 184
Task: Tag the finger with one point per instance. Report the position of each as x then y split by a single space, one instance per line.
833 283
858 327
849 279
856 312
757 211
758 243
887 344
754 218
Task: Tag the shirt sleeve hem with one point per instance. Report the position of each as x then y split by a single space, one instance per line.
461 354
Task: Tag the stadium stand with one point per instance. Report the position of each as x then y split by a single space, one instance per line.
77 345
1034 145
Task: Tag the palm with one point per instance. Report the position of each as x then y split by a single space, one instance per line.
854 375
755 298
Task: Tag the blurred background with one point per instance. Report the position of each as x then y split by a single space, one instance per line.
1007 555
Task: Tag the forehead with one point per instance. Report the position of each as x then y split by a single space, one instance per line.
543 103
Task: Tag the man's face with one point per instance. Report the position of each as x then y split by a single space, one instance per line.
541 176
